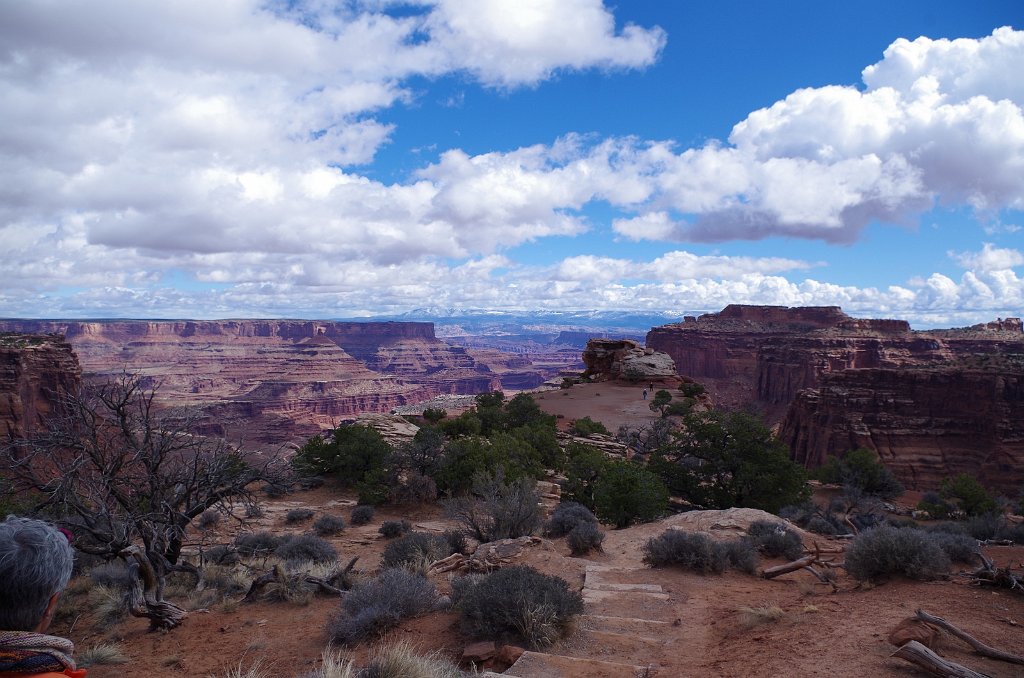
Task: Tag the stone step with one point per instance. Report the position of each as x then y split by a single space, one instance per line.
540 665
602 577
625 625
609 586
606 595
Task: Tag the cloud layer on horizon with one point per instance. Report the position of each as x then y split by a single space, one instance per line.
146 141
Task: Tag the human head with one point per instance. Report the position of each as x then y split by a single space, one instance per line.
35 565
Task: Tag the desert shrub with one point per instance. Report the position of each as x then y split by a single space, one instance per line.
298 515
774 540
692 551
457 541
985 526
567 516
679 408
221 554
394 528
276 490
517 601
969 494
499 510
586 426
255 544
254 510
584 538
741 554
820 525
886 550
208 519
362 514
413 488
328 525
626 493
415 549
377 605
227 579
104 654
114 574
960 548
306 548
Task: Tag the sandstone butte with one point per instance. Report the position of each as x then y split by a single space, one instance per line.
931 403
268 382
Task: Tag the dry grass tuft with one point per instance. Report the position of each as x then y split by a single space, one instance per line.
400 660
255 670
762 614
105 654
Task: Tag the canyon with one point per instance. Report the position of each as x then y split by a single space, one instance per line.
931 403
268 382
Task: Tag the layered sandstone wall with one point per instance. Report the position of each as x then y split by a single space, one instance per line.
925 424
281 380
35 371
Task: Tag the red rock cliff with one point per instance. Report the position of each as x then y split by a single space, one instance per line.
925 424
34 371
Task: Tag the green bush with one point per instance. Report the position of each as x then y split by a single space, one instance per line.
936 506
566 517
517 601
586 465
626 493
691 389
434 414
692 551
886 550
862 469
352 453
969 494
584 538
725 459
375 606
585 426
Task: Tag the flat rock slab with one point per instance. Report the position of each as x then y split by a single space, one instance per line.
540 665
624 625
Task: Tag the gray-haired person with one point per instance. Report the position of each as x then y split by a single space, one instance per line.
35 565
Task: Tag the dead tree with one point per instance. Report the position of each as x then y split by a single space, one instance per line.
120 474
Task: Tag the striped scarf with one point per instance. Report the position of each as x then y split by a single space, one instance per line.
24 652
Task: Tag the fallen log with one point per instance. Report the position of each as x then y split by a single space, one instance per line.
979 647
916 653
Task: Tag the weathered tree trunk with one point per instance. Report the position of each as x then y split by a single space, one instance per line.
144 599
797 564
916 653
979 647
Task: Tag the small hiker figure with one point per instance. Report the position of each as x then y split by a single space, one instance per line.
652 387
645 394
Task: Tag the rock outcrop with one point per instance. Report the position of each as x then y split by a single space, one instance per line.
930 402
625 359
275 381
925 424
35 371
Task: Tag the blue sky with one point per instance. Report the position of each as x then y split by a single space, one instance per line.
326 159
